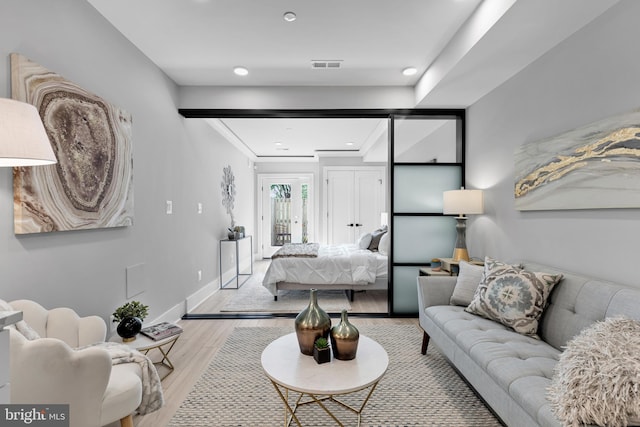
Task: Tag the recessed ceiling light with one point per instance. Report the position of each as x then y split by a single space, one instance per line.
240 71
409 71
349 143
289 16
278 143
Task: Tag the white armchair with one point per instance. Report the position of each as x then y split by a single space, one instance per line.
49 370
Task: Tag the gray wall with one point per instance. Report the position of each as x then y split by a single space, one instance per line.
590 76
174 159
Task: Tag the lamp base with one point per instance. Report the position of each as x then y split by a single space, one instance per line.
460 254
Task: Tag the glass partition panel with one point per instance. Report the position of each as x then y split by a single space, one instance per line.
425 140
427 153
418 239
405 289
419 188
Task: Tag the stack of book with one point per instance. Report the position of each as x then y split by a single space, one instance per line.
161 331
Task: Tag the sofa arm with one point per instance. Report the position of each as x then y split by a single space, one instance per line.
435 290
47 370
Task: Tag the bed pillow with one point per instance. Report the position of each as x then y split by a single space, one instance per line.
597 377
385 244
469 277
375 238
364 241
512 296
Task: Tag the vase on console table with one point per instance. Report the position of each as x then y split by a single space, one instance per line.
344 339
311 323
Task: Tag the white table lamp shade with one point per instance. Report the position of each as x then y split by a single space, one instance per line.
23 139
463 202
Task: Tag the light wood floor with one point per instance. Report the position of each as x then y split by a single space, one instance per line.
197 346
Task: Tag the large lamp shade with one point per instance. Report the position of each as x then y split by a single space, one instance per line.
23 139
462 202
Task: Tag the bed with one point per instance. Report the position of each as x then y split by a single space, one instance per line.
346 267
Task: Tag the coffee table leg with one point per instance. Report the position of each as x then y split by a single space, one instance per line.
287 408
319 402
359 410
290 413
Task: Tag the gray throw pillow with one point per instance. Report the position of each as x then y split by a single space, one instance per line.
375 239
469 277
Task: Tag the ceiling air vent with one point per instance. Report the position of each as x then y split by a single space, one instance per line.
325 64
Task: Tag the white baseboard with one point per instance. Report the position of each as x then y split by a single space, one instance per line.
176 312
199 296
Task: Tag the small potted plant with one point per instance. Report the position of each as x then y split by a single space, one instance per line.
321 350
129 317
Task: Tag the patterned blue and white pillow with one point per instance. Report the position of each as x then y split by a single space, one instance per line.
513 296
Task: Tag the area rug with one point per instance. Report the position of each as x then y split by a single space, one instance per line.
253 297
417 390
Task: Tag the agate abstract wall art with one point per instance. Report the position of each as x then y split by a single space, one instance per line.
595 166
91 186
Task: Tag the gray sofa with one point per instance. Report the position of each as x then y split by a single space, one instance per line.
510 371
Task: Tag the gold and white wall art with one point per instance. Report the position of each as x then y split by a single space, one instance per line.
91 186
596 166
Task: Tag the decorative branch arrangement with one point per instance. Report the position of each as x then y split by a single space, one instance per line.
228 187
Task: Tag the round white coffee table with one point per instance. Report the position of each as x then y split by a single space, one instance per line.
290 370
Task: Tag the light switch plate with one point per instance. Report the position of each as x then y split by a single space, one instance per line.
169 207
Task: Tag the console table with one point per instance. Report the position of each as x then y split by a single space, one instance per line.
233 247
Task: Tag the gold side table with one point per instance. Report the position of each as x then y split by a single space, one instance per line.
145 344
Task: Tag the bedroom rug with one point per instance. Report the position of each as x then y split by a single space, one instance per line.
417 390
252 297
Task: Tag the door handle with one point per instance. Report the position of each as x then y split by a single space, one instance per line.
358 225
350 225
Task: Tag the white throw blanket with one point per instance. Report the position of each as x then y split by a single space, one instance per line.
152 395
302 250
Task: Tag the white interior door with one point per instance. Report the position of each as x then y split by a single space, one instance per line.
354 202
369 201
286 212
340 207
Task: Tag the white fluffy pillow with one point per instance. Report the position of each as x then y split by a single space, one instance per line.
364 241
469 277
385 245
597 378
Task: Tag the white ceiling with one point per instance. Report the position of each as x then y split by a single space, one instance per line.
462 49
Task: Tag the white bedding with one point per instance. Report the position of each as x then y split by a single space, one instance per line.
335 264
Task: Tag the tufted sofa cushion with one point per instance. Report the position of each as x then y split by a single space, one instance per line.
515 362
